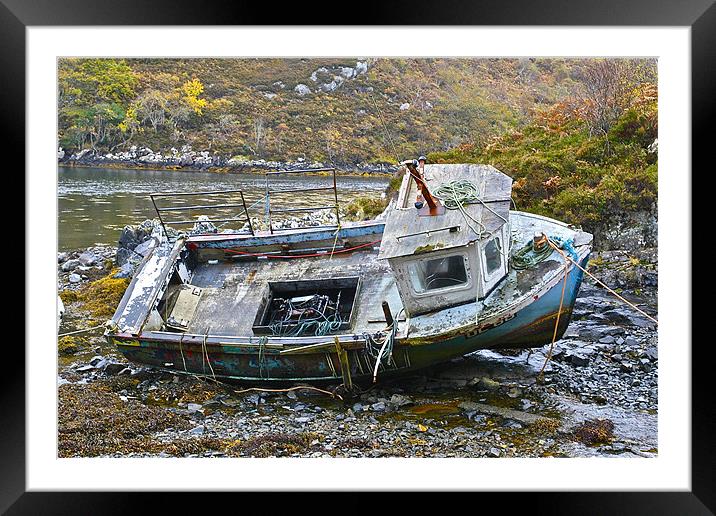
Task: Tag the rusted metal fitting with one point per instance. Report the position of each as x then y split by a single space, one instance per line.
387 314
539 241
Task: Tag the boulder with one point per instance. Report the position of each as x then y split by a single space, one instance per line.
123 256
302 89
87 258
488 384
126 270
145 247
70 265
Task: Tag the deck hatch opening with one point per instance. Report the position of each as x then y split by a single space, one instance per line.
307 307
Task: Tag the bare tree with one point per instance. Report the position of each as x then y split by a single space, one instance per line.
259 132
152 106
608 86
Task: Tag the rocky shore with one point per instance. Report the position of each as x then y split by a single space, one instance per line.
188 159
597 396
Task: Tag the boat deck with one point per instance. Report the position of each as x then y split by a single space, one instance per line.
233 291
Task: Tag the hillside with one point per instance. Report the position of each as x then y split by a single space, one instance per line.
332 110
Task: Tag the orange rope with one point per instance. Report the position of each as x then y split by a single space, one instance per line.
559 312
605 286
561 300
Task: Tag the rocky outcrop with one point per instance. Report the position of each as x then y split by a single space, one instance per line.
628 231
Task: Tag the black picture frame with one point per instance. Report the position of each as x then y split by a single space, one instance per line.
700 15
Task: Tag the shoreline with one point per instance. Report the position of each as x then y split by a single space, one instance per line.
145 159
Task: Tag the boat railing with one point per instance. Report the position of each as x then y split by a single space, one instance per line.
229 205
269 192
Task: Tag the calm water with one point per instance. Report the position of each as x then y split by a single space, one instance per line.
95 203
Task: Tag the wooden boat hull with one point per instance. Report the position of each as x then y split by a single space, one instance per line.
262 361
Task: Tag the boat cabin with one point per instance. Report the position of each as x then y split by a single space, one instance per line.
447 236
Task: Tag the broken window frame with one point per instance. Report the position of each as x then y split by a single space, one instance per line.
441 290
487 275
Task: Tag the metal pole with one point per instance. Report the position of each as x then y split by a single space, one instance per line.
335 196
386 312
267 206
160 216
246 212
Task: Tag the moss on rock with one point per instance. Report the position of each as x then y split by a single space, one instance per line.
101 297
69 345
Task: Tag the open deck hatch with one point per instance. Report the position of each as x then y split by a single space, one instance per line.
307 307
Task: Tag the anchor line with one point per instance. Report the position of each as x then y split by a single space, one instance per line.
568 259
559 312
181 351
262 355
205 351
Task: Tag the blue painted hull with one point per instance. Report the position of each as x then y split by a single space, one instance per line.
532 326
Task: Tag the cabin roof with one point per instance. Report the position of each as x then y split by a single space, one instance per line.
407 233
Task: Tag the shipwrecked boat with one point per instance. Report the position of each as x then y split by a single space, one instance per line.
447 270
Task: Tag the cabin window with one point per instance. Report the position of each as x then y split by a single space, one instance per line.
438 273
493 260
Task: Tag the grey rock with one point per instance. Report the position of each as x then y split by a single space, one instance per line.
75 278
61 257
114 368
400 400
302 89
488 384
125 271
87 258
123 255
70 265
193 407
631 341
579 359
494 452
509 423
144 248
378 407
197 430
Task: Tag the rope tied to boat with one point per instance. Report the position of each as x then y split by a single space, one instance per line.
558 244
262 354
382 346
86 330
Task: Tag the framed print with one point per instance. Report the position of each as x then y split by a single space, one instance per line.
286 254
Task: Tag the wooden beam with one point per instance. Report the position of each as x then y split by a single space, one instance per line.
345 365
